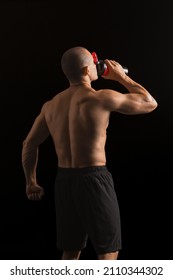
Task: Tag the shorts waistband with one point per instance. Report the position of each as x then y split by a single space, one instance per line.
81 170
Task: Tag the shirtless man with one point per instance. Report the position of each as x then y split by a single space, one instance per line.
77 119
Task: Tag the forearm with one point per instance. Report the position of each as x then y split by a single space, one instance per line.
29 163
134 87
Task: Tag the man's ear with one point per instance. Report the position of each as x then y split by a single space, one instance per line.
85 70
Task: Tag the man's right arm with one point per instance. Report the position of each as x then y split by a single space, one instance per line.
137 101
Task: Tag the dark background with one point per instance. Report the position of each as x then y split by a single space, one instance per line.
34 35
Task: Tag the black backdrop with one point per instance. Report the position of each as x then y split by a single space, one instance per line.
34 34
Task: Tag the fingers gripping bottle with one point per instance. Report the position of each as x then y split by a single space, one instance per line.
102 69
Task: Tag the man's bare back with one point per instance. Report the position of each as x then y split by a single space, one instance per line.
77 122
77 118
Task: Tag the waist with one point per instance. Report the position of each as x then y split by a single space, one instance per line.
81 170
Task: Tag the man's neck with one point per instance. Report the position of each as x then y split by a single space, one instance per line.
81 83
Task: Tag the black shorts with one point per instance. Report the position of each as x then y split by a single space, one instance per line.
86 206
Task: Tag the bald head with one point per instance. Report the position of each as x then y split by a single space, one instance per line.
73 62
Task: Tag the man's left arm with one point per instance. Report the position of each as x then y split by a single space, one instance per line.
37 135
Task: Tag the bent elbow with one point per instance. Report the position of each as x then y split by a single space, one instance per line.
153 106
28 144
148 107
